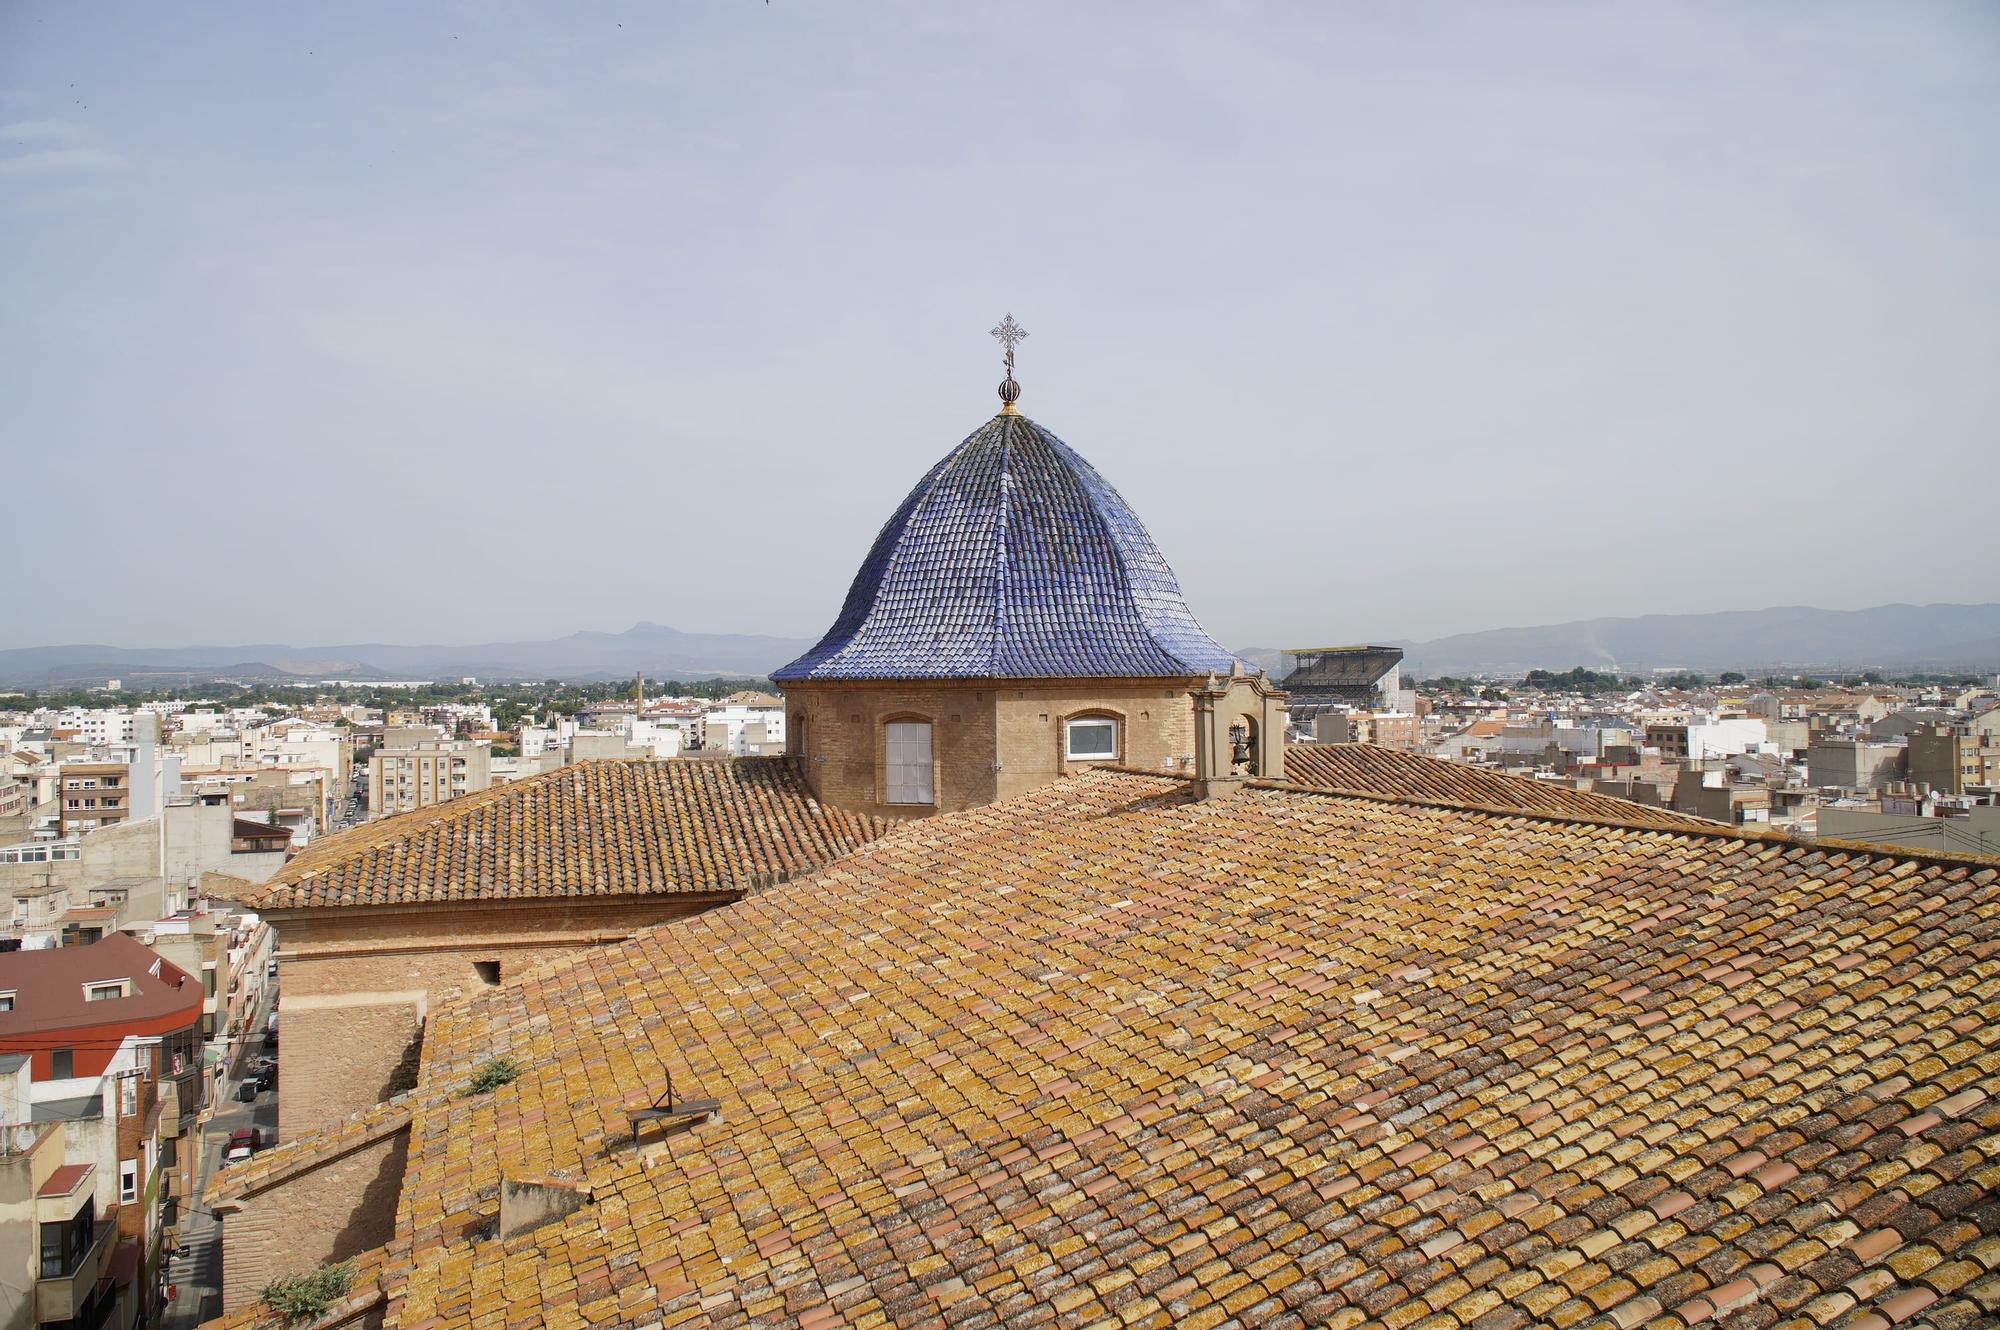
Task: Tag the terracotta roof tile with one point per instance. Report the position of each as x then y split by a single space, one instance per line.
1371 769
372 1274
596 828
1102 1052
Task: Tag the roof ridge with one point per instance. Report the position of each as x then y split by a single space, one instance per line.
1350 765
314 1146
1719 831
601 827
1005 548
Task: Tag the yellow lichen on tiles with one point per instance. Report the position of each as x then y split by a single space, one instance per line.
1100 1046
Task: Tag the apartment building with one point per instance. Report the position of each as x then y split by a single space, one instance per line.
92 796
231 951
141 869
1702 739
55 1251
752 728
1953 759
1853 764
427 773
103 1039
1384 729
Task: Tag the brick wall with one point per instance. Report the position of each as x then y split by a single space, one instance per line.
339 1056
842 747
358 983
837 731
327 1212
1155 731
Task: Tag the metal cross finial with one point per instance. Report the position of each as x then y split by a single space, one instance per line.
1009 334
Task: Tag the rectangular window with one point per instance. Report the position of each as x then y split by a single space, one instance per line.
54 1250
907 747
1094 738
103 992
62 1063
128 1096
128 1180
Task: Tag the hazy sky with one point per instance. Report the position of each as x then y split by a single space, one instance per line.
446 323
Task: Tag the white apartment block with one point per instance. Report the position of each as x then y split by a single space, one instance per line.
745 730
403 779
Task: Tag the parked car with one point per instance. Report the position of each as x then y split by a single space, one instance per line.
243 1142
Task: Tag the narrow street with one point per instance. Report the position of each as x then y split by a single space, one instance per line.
197 1271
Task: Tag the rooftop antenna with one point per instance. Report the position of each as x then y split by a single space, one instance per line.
1009 334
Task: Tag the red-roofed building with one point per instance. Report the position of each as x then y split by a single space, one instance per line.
103 1042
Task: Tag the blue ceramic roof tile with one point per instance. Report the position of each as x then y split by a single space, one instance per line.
1012 559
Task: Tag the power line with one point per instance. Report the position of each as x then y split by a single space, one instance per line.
114 1044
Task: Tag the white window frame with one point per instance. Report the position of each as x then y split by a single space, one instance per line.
1070 727
107 990
908 767
128 1181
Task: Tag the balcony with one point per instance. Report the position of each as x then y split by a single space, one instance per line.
68 1297
180 1098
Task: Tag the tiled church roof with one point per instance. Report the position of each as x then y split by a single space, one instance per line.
1099 1055
1012 559
1371 769
599 828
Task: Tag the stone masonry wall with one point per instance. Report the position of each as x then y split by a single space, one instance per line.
328 1212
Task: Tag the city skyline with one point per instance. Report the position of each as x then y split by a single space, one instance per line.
1380 324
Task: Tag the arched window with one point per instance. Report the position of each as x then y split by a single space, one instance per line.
1091 739
907 763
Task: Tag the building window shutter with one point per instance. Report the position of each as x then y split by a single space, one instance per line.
908 751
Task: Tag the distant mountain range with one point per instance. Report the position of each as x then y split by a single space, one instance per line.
1896 637
1793 637
654 649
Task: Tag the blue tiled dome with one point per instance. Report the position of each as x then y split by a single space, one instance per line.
1012 559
